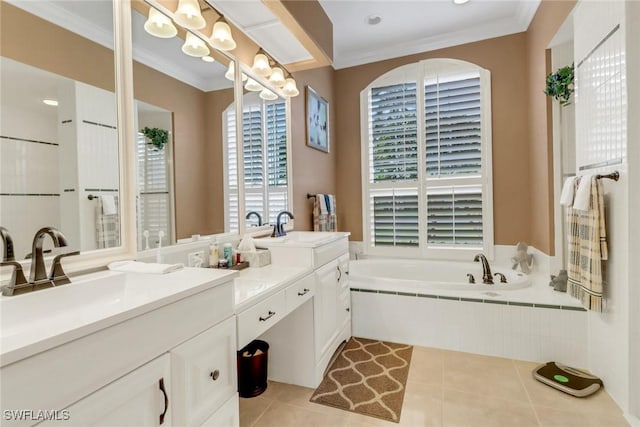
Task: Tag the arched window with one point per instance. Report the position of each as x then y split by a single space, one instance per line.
426 161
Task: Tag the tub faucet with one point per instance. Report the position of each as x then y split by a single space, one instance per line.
7 244
256 214
487 277
278 229
38 271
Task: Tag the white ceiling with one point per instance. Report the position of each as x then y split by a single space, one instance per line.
409 27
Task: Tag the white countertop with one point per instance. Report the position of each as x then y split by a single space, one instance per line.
301 239
40 320
256 284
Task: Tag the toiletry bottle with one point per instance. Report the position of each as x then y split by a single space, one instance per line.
213 256
228 253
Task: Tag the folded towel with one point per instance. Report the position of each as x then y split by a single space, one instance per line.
108 204
568 191
583 194
331 203
144 267
322 203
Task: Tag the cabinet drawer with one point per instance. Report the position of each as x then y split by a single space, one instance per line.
203 373
227 416
257 319
300 292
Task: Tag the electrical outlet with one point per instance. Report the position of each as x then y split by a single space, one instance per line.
196 259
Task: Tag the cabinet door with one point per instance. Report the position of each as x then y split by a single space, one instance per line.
343 271
204 373
140 398
325 305
227 416
343 311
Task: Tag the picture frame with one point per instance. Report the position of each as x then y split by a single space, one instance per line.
317 109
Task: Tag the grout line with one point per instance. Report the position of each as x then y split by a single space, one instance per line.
255 422
526 391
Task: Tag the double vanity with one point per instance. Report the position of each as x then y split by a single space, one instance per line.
138 349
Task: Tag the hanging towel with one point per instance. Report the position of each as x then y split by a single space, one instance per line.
324 213
587 248
568 191
583 193
108 204
144 267
107 225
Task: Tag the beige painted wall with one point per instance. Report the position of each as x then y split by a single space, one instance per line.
548 18
314 171
505 57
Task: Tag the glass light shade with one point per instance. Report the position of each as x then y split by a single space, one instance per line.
253 85
193 46
159 25
277 77
261 65
290 88
231 72
267 95
221 37
208 58
189 16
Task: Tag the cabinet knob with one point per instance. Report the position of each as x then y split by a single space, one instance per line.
215 375
348 309
304 292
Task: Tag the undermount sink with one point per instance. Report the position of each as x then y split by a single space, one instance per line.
301 238
41 319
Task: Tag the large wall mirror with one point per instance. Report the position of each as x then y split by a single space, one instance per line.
59 139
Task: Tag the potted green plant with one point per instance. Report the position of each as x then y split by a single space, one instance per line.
158 137
560 84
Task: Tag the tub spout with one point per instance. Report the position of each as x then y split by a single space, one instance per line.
487 277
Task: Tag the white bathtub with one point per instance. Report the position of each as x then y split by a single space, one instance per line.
419 275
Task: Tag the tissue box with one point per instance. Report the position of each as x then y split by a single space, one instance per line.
260 258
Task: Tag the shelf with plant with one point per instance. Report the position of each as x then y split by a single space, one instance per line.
560 85
158 137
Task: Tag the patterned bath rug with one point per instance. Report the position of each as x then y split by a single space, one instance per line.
368 377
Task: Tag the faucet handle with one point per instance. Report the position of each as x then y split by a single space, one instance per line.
17 277
503 278
58 276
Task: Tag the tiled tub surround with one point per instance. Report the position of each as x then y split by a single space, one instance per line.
535 323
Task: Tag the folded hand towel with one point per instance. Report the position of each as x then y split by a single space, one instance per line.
108 204
583 194
568 191
322 203
144 267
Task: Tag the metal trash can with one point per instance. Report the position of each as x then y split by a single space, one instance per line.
252 368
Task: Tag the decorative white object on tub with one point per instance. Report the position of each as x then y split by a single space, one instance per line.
522 259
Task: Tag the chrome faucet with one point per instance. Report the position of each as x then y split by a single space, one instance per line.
7 244
278 229
256 214
487 277
38 273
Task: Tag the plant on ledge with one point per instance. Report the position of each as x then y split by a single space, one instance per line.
560 85
159 137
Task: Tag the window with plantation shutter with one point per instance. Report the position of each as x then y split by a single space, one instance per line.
427 147
264 160
154 198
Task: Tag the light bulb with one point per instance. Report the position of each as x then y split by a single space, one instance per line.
193 46
253 85
221 37
261 65
277 77
159 25
290 88
189 16
231 72
267 95
208 58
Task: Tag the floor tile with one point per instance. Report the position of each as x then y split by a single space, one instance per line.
426 365
550 417
422 405
283 414
251 409
469 409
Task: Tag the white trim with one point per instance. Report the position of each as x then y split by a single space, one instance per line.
418 72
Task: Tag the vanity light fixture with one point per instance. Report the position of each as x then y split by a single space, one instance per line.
231 72
261 64
50 102
267 95
290 88
194 46
460 1
253 85
277 76
189 16
221 37
208 58
159 25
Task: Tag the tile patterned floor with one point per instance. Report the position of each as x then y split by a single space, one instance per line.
446 388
